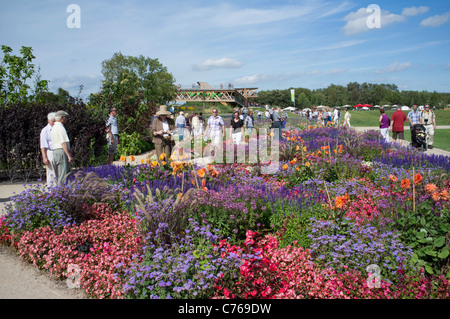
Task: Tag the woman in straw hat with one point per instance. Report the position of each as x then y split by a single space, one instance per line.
161 128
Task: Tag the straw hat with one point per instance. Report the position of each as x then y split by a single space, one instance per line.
163 110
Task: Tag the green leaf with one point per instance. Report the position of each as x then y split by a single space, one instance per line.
420 235
439 242
430 252
444 253
429 269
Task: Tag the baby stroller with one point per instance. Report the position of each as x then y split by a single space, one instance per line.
419 136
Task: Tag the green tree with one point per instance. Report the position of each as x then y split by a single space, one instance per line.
136 86
303 101
15 73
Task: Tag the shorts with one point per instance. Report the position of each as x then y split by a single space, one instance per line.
400 135
112 148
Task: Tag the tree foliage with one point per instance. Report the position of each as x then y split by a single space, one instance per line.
136 86
351 94
15 74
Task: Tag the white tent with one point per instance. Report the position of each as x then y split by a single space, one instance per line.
405 108
306 110
365 108
289 108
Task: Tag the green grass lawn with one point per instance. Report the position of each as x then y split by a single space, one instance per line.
370 118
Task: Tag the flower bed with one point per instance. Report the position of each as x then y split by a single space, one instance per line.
345 216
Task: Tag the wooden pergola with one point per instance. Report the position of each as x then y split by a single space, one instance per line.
203 92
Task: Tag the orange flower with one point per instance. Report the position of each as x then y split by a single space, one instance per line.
201 172
444 195
340 201
393 178
307 164
203 182
430 188
435 196
292 162
147 161
418 179
214 173
131 158
162 156
297 148
405 184
123 158
285 166
142 161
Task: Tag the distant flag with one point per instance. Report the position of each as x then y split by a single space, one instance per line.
292 95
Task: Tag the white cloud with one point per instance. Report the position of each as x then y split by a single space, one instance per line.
337 71
394 67
436 21
413 11
358 21
223 63
251 79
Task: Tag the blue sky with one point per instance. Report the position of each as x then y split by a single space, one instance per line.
249 43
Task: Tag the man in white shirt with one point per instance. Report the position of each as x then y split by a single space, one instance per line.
61 146
180 123
47 150
336 117
216 128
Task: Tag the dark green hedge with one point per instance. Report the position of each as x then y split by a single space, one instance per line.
20 128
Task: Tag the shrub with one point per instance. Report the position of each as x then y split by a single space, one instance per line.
20 131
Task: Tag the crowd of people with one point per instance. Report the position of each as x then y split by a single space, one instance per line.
57 156
418 120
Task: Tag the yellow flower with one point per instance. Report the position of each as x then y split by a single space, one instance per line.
297 148
123 158
307 164
162 156
304 148
154 163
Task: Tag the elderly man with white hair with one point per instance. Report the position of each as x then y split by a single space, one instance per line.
47 150
61 146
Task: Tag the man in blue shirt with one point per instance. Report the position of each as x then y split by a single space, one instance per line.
413 118
112 134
